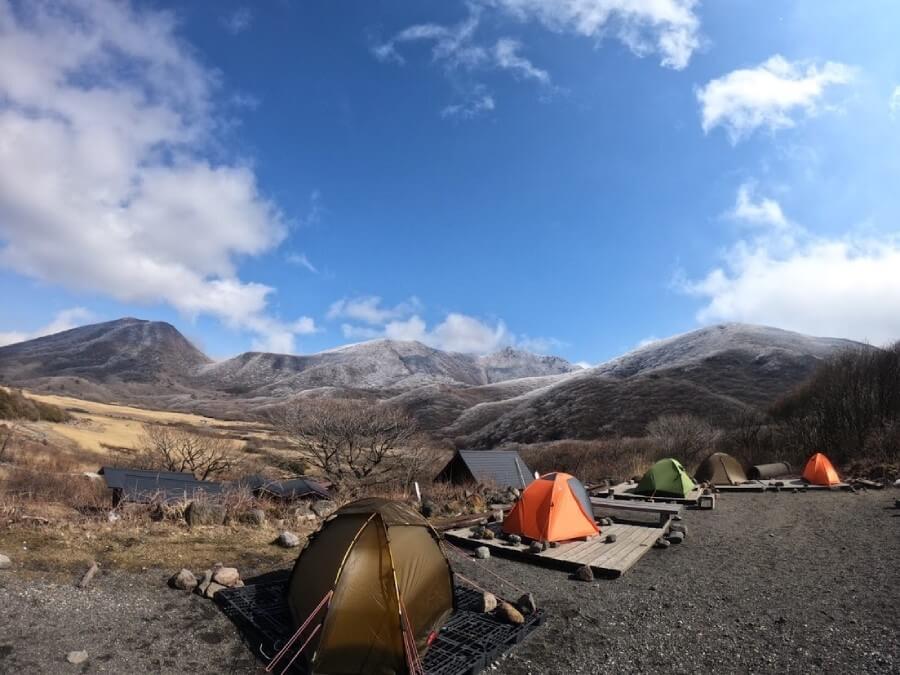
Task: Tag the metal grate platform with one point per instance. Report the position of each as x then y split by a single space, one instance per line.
468 643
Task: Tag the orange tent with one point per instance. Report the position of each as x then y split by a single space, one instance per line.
556 507
820 471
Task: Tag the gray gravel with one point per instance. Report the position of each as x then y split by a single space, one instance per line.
772 582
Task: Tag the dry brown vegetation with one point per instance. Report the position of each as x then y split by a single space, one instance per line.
14 405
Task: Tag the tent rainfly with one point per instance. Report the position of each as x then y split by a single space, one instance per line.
374 588
820 471
556 507
501 467
666 478
721 469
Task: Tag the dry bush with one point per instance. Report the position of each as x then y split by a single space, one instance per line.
167 448
14 405
684 437
7 434
350 442
72 490
592 461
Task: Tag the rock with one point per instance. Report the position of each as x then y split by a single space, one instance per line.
482 553
184 581
514 539
205 513
478 531
679 527
304 515
610 539
227 576
288 540
510 614
554 544
5 562
496 515
77 657
662 542
678 516
323 508
794 490
254 517
427 508
535 547
526 605
675 537
584 573
204 582
212 589
488 533
488 602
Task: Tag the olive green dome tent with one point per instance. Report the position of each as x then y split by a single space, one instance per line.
376 580
721 469
666 478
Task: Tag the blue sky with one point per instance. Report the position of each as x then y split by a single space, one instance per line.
569 176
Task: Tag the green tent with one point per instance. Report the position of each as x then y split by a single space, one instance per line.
666 478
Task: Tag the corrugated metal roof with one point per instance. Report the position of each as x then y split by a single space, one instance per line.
139 485
503 467
115 477
292 488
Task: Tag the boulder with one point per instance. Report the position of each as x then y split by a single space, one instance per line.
184 581
204 582
535 547
488 602
5 562
212 589
324 508
526 605
610 539
288 540
77 658
506 612
584 573
205 513
514 539
675 537
482 553
226 576
254 517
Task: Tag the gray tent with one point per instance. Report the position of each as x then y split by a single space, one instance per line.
500 467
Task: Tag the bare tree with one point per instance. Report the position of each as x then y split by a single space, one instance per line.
349 441
173 449
684 437
6 436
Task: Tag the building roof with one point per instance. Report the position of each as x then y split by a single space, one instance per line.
502 467
292 488
139 485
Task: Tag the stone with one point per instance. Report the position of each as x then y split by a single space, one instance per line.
678 516
496 515
478 531
226 576
679 527
611 539
526 604
288 540
427 508
488 602
675 537
554 544
535 547
514 539
254 517
488 534
5 562
204 582
184 581
662 542
510 614
205 513
482 553
323 508
77 658
212 589
304 515
584 573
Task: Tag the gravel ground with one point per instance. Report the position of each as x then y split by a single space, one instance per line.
771 582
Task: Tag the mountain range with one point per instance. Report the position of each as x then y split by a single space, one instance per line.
481 401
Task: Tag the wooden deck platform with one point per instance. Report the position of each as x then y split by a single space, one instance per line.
695 498
774 484
608 560
623 509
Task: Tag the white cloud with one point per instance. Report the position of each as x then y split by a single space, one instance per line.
302 260
669 28
64 320
770 95
894 103
238 21
506 55
762 211
475 103
368 309
838 287
105 186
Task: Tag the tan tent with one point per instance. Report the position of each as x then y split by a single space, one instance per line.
721 469
391 587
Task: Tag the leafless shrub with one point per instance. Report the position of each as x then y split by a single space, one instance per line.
7 433
348 441
173 449
592 461
684 437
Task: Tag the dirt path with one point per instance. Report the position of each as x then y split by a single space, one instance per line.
787 583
